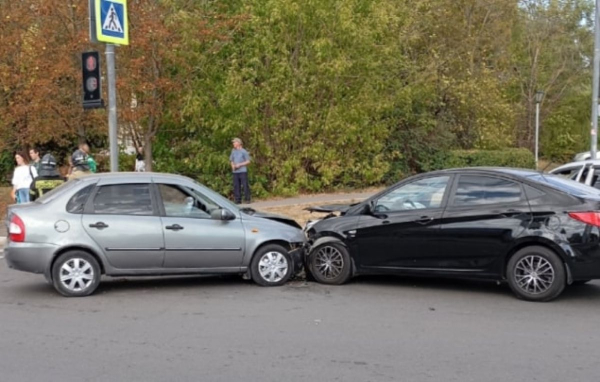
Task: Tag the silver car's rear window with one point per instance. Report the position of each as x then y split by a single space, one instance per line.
47 197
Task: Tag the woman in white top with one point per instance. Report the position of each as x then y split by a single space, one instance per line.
22 178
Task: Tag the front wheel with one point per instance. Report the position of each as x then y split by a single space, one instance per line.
330 263
76 274
536 274
271 266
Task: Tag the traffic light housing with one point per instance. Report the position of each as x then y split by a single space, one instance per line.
92 89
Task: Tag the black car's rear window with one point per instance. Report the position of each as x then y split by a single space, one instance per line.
566 185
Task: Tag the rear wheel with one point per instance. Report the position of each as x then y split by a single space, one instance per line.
76 274
271 265
536 274
330 263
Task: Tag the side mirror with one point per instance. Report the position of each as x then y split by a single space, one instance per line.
369 208
222 214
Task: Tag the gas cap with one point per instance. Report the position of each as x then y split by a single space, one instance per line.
61 226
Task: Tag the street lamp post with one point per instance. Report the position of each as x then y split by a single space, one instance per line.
539 96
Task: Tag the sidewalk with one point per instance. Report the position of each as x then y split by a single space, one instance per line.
321 198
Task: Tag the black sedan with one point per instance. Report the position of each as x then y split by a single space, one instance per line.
536 231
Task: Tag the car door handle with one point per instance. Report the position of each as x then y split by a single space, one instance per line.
424 220
174 227
99 225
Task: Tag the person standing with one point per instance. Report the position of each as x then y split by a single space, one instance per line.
240 159
79 163
34 154
22 178
91 162
140 164
48 178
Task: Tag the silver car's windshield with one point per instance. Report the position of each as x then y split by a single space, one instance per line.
565 185
48 196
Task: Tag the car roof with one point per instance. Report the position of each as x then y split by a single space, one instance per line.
129 175
577 164
519 172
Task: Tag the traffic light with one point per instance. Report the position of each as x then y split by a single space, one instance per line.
92 89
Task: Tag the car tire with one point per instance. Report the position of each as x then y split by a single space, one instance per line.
76 274
271 265
536 274
330 263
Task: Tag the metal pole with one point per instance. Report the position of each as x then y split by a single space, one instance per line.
537 132
112 108
596 83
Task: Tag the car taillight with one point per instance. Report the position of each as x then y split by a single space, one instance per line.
16 229
592 218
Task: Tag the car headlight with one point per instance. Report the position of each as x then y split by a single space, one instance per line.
310 224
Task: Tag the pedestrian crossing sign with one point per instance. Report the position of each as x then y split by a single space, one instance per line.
111 21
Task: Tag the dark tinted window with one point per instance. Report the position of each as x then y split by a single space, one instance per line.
565 185
124 199
77 201
533 193
476 190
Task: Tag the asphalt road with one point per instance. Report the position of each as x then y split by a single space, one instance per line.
227 329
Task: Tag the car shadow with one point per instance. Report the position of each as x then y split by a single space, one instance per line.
590 291
171 282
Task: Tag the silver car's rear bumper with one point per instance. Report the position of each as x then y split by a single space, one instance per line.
29 257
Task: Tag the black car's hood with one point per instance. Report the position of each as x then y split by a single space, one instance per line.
270 216
342 208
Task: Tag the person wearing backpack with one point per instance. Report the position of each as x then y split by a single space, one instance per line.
91 162
22 178
48 179
34 155
79 163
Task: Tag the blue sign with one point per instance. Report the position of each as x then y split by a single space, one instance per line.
111 22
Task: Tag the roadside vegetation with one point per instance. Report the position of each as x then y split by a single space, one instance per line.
325 94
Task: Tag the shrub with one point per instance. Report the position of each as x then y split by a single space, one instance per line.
518 158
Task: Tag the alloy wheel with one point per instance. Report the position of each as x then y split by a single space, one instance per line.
534 274
329 262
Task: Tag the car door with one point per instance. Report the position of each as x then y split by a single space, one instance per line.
192 238
122 218
484 215
401 229
573 171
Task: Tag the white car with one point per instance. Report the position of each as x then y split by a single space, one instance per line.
585 156
586 172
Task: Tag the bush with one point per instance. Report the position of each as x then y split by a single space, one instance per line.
518 158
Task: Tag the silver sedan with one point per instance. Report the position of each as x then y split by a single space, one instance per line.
144 224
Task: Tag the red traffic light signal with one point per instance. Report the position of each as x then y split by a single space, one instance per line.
92 89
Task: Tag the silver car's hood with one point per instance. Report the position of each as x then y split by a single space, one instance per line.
266 215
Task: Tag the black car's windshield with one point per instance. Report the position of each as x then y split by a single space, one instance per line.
566 185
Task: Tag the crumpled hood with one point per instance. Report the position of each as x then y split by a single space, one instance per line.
342 208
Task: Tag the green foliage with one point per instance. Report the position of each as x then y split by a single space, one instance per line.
341 93
517 158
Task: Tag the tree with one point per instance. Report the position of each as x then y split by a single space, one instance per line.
154 70
40 97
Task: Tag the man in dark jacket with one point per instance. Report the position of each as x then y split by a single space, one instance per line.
48 179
